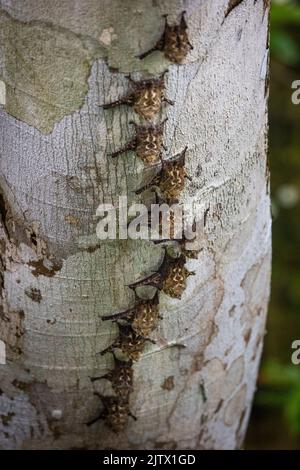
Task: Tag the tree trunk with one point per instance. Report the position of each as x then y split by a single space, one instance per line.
58 62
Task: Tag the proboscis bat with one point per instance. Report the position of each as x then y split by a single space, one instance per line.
146 98
174 42
129 342
147 143
171 277
115 413
143 317
170 179
121 378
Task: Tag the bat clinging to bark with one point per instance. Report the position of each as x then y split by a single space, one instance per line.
115 413
146 98
174 42
121 378
170 278
143 317
129 342
147 143
170 179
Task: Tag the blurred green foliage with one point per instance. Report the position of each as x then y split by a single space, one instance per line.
285 22
275 421
280 389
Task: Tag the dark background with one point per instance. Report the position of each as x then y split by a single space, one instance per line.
275 419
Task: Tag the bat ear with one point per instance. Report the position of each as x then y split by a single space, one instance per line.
178 158
165 16
166 259
183 154
183 24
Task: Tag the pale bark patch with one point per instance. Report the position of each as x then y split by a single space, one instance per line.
235 407
234 376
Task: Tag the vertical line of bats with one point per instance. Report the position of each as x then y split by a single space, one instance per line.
136 324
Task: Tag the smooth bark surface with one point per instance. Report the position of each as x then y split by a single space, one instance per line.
59 61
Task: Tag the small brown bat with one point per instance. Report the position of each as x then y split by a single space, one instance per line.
170 278
147 143
121 378
129 342
170 179
115 413
146 98
174 42
143 317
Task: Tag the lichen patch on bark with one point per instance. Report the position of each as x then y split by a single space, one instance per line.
45 70
34 294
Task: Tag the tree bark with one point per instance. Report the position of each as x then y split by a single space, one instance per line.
58 62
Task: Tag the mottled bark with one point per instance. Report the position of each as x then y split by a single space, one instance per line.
59 61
